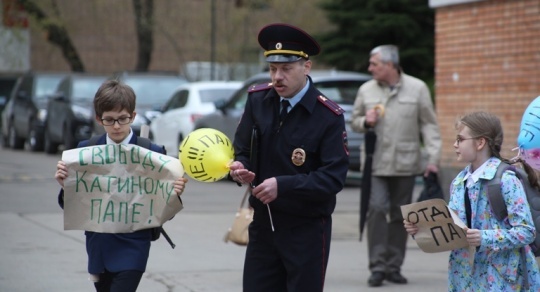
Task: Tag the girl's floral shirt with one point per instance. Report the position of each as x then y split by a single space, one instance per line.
497 261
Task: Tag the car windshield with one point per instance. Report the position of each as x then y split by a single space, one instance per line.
343 92
46 85
153 90
86 88
213 95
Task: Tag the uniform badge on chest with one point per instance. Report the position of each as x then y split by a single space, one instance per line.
298 156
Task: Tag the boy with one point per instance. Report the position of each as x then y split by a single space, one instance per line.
116 261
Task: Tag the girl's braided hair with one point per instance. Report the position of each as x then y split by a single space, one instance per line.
488 126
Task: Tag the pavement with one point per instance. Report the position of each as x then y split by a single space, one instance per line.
38 255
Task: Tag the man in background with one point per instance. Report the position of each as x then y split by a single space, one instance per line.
398 108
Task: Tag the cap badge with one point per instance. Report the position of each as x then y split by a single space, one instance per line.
279 46
298 156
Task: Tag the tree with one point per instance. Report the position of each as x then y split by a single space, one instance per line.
362 25
56 32
144 24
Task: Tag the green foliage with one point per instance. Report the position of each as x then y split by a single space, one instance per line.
361 25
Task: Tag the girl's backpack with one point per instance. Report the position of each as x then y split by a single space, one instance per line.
499 207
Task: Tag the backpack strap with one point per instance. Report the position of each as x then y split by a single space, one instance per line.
498 207
494 195
144 142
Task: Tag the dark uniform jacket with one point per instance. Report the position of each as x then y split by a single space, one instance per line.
315 125
116 251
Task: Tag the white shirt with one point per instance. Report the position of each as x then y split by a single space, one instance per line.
473 178
125 141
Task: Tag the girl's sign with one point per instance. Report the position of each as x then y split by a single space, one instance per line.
439 229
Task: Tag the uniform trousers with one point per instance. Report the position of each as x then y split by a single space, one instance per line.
123 281
387 238
287 259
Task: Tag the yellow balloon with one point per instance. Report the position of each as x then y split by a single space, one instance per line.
206 154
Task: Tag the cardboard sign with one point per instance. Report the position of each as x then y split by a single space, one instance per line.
119 188
439 229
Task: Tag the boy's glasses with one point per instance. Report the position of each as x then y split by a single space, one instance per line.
120 121
459 139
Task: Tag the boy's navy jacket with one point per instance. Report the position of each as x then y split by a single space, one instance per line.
116 251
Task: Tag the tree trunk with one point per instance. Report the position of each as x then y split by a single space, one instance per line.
56 34
144 23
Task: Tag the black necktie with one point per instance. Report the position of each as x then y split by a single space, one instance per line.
284 106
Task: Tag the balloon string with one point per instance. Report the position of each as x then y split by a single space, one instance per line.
516 158
270 215
252 185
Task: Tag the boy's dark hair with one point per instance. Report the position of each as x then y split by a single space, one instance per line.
114 95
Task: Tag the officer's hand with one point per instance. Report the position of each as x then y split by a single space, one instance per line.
266 192
61 172
240 174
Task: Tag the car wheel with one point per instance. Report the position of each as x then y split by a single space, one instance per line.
35 141
15 142
5 141
49 146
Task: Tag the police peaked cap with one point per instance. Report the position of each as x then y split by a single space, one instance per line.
285 43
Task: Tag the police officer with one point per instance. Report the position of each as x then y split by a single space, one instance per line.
297 165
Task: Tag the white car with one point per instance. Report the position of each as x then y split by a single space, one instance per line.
189 102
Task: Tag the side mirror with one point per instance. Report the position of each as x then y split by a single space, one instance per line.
3 101
221 105
22 95
58 96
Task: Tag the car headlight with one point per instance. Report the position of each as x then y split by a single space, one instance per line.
42 115
82 113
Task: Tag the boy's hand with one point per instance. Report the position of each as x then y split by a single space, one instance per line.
179 185
411 228
61 172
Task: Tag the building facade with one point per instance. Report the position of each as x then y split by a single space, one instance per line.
487 57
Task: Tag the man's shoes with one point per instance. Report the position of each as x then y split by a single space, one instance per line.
376 279
396 277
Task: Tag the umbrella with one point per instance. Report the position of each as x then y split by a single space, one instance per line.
365 189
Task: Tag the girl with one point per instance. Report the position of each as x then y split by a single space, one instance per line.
498 263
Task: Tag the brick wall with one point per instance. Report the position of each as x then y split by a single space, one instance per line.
487 58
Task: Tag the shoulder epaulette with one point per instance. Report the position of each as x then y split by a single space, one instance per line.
259 87
334 107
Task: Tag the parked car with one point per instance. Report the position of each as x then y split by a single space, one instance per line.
339 86
70 111
188 103
152 90
7 82
23 118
